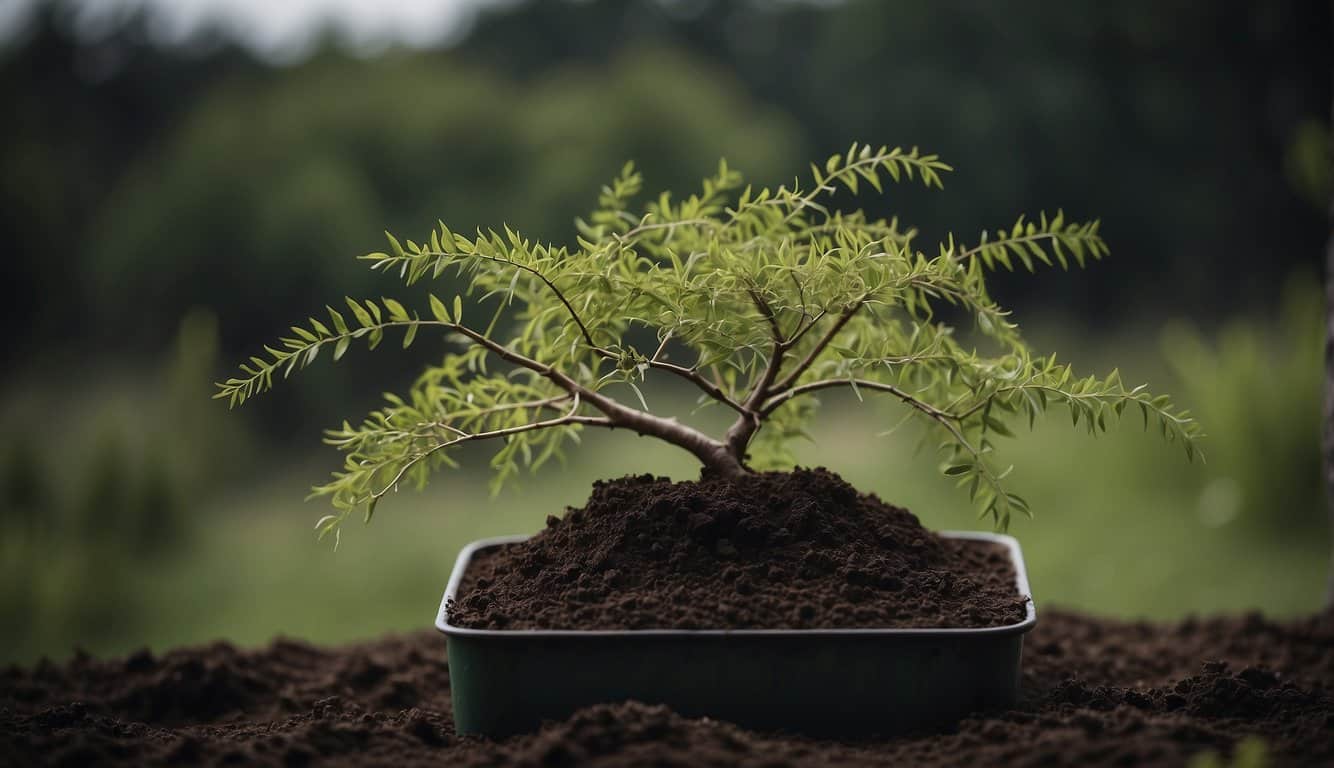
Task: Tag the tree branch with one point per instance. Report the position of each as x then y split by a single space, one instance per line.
748 422
819 347
669 225
424 428
569 418
776 353
696 442
588 337
767 313
947 420
796 337
438 256
1033 238
662 345
694 377
710 452
777 400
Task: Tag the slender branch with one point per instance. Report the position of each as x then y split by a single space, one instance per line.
776 353
777 400
550 402
570 417
698 443
947 420
710 452
689 374
499 407
819 347
748 422
1033 238
1132 396
808 200
583 329
424 429
796 337
439 255
801 292
767 313
668 225
694 377
666 337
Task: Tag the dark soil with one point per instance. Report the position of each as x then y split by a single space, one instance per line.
1096 692
796 550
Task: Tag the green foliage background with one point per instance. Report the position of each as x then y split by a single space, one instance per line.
145 190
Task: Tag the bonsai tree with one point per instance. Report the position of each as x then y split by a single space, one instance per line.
760 299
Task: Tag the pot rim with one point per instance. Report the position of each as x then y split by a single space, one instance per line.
1009 542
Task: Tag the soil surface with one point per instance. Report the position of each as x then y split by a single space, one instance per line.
794 550
1095 692
797 550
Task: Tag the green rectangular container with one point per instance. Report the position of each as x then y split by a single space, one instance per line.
819 682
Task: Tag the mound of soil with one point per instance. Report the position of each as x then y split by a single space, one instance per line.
796 550
1095 692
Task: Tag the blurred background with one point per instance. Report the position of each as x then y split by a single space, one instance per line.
183 179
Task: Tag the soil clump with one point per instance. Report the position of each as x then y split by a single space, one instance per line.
790 550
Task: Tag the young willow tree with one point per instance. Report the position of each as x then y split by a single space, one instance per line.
776 297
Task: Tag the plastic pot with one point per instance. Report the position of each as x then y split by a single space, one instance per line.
820 682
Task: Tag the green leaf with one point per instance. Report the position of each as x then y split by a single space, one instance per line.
339 324
359 312
326 524
394 246
438 310
396 310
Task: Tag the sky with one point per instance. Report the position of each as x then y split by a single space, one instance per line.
279 29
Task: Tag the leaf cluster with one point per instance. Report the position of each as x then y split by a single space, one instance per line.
758 298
